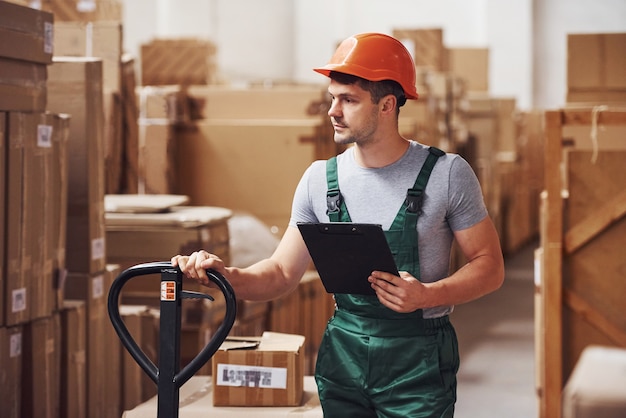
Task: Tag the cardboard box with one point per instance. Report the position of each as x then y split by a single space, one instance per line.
75 87
136 238
141 325
73 396
56 215
42 361
112 360
178 61
596 61
428 49
22 85
11 371
25 33
91 288
596 68
93 39
157 157
37 193
272 374
84 10
36 130
247 165
169 103
130 128
472 64
196 402
3 242
17 287
596 386
278 102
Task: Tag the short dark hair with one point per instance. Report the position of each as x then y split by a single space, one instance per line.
377 89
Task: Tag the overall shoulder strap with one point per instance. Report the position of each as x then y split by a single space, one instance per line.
406 218
336 207
415 195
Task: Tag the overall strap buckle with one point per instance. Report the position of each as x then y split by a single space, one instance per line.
414 200
333 201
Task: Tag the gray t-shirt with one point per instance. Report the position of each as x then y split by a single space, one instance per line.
453 201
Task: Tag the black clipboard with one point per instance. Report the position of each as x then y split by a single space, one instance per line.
346 253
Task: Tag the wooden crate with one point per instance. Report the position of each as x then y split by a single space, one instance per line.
583 230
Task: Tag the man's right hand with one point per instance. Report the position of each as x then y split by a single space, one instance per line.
194 266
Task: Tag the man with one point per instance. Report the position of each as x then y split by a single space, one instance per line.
394 354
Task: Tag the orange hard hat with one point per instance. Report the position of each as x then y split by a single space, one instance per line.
374 57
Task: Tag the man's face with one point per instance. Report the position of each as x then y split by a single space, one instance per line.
352 113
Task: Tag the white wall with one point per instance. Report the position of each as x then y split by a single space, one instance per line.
284 39
553 20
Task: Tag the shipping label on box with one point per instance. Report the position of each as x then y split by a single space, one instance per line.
272 374
251 376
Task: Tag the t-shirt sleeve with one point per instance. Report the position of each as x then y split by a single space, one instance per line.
302 207
466 202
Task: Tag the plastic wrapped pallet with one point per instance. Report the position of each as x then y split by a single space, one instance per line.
596 387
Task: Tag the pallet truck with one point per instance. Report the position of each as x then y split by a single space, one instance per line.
168 376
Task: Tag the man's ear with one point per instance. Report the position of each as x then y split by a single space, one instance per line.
389 103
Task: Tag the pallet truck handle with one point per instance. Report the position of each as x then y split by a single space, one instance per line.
165 268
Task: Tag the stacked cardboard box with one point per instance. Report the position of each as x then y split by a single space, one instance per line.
33 192
75 87
136 238
73 371
425 45
41 381
102 360
218 156
35 246
178 61
35 219
136 387
83 11
25 52
596 68
11 348
161 108
103 40
471 64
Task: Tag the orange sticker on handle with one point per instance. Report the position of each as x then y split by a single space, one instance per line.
168 291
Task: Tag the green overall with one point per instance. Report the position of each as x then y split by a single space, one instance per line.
375 362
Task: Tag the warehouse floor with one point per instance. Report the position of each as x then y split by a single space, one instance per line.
496 343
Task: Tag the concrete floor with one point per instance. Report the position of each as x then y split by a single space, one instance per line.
496 343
